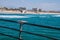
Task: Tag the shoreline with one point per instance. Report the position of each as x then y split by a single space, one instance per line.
18 12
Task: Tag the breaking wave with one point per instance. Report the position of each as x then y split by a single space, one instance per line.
56 16
13 16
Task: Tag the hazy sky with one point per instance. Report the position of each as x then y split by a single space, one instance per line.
43 4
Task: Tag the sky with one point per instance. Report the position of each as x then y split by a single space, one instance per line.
42 4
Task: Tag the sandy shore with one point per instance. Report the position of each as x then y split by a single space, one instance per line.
9 12
18 12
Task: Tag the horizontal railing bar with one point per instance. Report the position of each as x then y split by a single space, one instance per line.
9 28
32 24
26 32
40 35
43 26
8 20
9 36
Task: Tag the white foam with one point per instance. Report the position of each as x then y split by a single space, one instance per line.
13 16
56 15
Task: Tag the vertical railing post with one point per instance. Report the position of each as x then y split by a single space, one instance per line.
21 24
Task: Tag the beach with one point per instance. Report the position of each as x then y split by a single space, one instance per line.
24 12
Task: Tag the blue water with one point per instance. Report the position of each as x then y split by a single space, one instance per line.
41 19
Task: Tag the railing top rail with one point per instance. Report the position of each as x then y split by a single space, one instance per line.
9 20
50 27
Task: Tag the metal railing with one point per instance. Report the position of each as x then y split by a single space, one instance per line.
26 23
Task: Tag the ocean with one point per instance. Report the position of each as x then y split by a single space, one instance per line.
52 20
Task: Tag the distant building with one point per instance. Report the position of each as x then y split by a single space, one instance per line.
34 9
